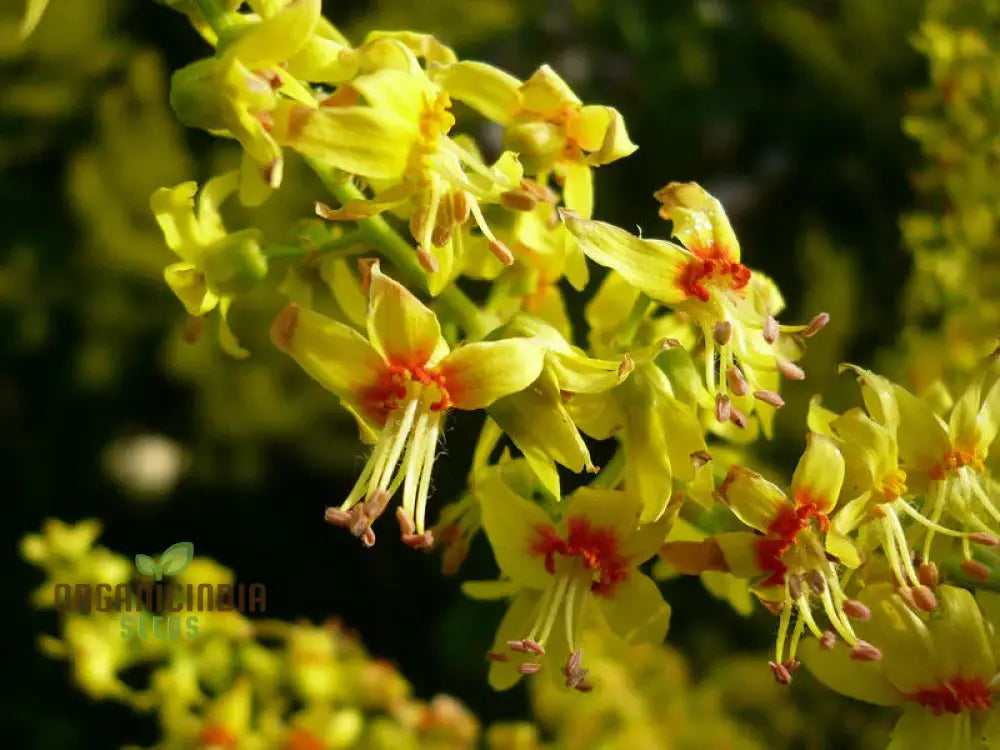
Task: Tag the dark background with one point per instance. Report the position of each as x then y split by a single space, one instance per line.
788 111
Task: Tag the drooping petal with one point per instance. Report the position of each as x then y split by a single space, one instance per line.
879 397
636 612
227 340
653 266
922 437
478 374
961 639
601 130
191 288
754 500
333 354
174 212
819 474
402 329
512 525
861 680
648 473
578 188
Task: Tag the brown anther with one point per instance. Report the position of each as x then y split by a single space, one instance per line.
583 687
723 407
375 504
975 569
573 663
517 646
795 586
576 678
669 343
626 365
928 574
722 332
283 327
368 538
193 327
529 667
906 594
406 525
737 417
792 665
460 207
877 511
700 458
737 383
924 598
816 324
265 119
418 541
502 252
789 369
865 651
427 259
856 610
518 200
497 656
337 517
780 672
533 647
984 538
441 234
771 329
365 268
359 522
816 582
541 192
769 397
828 640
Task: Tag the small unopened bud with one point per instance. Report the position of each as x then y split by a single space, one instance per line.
789 369
928 574
502 252
723 407
865 651
856 610
737 383
984 538
780 672
769 397
828 640
518 200
771 330
816 582
975 569
737 417
722 332
816 324
924 598
529 667
700 458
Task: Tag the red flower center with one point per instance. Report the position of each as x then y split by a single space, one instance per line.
394 385
595 546
715 266
954 695
782 533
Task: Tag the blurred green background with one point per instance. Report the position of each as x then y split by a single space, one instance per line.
789 111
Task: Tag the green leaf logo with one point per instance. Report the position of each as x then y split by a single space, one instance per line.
174 561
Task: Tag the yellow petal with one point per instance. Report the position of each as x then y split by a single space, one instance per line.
515 625
699 220
191 288
753 499
578 188
478 374
652 266
635 610
488 90
400 327
277 38
227 340
861 680
819 474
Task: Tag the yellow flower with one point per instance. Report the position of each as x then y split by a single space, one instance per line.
215 265
557 572
399 383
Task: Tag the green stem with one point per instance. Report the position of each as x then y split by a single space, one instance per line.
451 300
215 15
351 239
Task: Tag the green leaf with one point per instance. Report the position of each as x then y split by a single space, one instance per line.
176 558
145 564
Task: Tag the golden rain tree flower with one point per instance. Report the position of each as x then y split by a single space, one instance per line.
941 668
242 88
399 383
704 280
215 265
546 124
785 554
877 492
556 572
